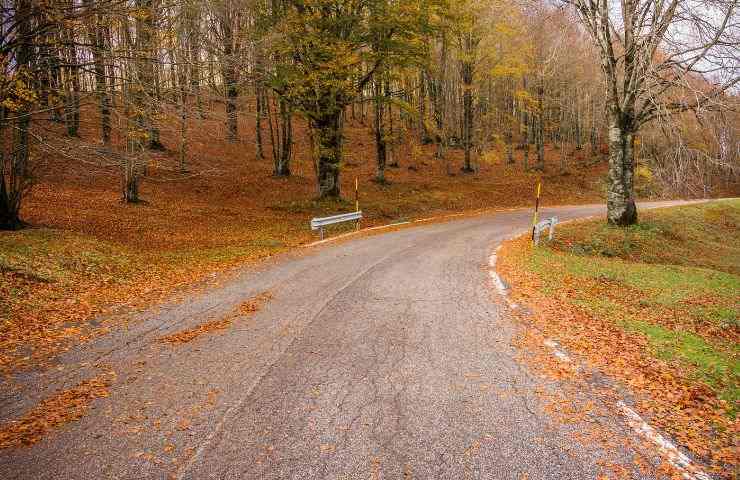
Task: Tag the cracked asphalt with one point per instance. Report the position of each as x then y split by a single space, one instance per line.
383 357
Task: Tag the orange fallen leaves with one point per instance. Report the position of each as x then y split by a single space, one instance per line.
674 402
64 407
191 334
253 305
249 307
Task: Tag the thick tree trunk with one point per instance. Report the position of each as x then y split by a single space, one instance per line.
8 214
231 96
328 137
14 172
283 151
621 209
14 182
131 181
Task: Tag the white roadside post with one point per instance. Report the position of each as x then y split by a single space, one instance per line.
541 226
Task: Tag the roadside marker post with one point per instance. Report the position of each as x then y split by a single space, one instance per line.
357 201
536 208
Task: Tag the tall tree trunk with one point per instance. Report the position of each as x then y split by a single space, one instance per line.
192 19
182 83
145 30
526 138
578 126
136 104
72 86
260 100
97 39
231 111
230 77
281 135
540 133
327 131
467 80
422 110
56 83
620 202
438 84
153 97
14 172
379 127
511 101
467 132
391 148
594 134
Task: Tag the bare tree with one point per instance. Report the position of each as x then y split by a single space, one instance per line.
659 58
14 170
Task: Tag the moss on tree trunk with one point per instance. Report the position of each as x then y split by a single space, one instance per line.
621 208
328 139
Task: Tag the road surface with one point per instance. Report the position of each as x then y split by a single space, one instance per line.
387 356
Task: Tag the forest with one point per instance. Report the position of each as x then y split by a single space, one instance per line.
166 310
111 84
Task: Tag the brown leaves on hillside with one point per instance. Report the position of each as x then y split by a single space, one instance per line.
247 308
54 412
673 401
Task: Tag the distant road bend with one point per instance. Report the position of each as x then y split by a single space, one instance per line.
383 357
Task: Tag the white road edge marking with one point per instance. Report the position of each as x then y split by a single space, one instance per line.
557 351
675 457
689 470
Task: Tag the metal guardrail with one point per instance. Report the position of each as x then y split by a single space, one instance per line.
320 222
541 226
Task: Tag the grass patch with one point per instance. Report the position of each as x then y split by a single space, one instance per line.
712 365
674 278
696 236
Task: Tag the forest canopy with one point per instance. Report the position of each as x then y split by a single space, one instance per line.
649 78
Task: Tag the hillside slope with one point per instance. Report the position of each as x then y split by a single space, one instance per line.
85 250
655 306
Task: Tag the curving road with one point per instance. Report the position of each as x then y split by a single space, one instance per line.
383 357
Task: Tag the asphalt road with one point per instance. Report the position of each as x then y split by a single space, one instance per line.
387 356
